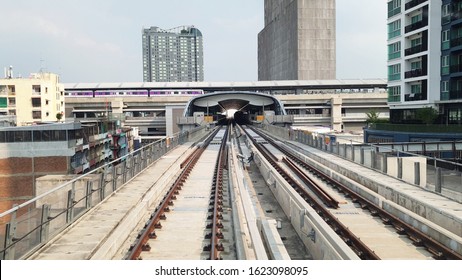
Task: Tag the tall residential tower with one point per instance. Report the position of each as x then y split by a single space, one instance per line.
174 55
425 59
298 40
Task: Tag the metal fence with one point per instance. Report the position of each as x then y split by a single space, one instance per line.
433 174
26 227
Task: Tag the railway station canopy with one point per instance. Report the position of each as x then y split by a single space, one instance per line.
230 102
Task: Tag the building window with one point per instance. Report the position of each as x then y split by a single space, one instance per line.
394 50
416 18
394 72
3 102
455 116
446 14
445 43
444 90
36 90
416 42
36 102
36 115
445 65
416 89
394 94
416 65
394 29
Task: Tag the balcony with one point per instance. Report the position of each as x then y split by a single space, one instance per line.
394 12
394 77
456 42
416 49
415 96
456 68
416 25
415 73
36 90
455 94
394 98
455 15
444 96
413 3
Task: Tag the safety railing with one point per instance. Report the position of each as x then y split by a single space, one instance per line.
28 226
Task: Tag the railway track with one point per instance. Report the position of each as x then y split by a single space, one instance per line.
348 237
304 171
210 205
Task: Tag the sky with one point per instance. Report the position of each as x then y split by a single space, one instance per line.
100 40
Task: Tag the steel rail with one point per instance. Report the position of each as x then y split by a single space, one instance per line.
437 249
363 251
215 246
320 192
141 244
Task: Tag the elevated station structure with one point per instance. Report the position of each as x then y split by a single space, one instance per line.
156 108
241 106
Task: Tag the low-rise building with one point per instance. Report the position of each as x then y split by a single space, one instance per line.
38 98
30 152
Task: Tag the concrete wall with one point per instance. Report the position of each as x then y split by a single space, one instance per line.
316 40
410 169
17 176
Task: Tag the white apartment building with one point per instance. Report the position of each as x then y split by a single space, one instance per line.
414 56
38 98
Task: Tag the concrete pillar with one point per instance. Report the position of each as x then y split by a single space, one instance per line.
70 204
361 155
336 113
114 177
171 115
44 226
400 168
385 163
10 233
373 159
417 173
88 195
439 180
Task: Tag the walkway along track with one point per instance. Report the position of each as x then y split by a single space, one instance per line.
419 239
142 242
348 237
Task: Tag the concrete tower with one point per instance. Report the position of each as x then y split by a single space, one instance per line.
298 40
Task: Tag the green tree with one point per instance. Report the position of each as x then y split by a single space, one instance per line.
427 115
372 116
59 116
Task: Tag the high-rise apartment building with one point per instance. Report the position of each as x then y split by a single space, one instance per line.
450 103
425 59
298 40
38 98
174 55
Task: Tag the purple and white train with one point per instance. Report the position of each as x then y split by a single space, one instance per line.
145 92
